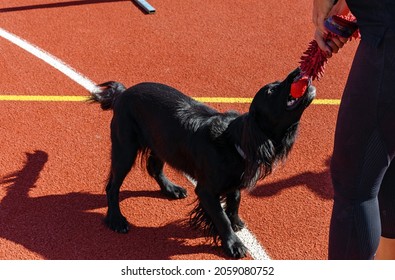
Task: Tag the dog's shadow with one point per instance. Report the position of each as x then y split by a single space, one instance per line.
318 182
66 226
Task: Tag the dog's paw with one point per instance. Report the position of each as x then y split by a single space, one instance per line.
238 225
120 224
174 191
235 248
236 222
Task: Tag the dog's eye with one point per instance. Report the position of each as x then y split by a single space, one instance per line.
271 90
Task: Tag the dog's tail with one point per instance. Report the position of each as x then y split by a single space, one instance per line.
109 93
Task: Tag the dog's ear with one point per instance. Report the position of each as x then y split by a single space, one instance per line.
259 151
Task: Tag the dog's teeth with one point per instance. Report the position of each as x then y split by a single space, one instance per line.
290 102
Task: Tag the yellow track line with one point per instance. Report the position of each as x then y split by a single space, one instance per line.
70 98
326 101
223 99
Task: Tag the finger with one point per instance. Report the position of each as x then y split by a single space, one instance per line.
338 42
335 48
319 37
319 24
343 39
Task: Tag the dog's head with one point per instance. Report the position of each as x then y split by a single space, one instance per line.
271 128
275 110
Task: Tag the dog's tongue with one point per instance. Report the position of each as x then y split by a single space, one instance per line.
298 88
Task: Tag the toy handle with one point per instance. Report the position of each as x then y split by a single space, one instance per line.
340 26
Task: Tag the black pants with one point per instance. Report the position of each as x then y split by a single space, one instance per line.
363 165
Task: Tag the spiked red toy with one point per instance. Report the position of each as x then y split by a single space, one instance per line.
314 59
298 87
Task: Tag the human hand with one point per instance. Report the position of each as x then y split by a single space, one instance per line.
322 9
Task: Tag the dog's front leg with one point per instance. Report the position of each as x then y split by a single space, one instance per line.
232 209
231 244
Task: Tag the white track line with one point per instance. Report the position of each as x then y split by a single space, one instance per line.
255 249
51 60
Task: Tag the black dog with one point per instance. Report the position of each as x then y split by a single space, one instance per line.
223 152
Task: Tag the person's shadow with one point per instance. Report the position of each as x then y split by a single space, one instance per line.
317 182
65 227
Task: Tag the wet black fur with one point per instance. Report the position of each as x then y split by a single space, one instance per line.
169 127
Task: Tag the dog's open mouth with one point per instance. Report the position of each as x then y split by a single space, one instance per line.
293 103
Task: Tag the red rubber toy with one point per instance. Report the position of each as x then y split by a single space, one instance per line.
298 88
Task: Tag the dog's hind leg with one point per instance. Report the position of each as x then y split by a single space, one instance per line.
232 209
210 203
155 169
123 154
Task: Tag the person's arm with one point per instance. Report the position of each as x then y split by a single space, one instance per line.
322 9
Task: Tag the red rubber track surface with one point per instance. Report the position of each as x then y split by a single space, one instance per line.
55 155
